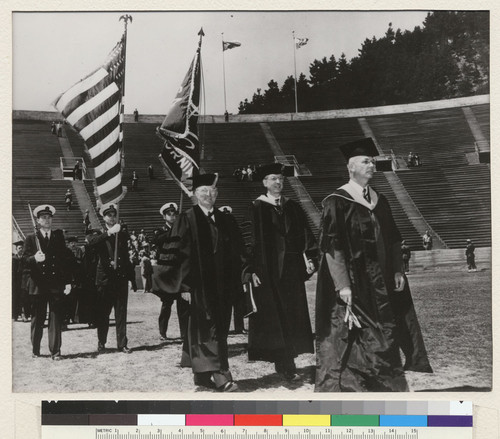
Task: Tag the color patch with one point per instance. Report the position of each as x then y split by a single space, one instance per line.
355 420
449 421
258 420
161 420
403 421
209 420
306 420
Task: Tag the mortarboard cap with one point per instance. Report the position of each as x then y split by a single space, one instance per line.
18 243
364 146
273 168
204 180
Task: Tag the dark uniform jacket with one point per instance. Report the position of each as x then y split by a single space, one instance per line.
104 247
52 274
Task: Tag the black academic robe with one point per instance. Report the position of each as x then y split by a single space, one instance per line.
365 359
281 327
204 260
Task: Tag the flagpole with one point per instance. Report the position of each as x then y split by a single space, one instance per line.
295 71
126 18
224 72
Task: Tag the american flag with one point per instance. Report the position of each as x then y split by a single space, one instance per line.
94 108
226 45
180 154
299 42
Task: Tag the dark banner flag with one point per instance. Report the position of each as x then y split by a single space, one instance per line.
94 108
180 154
226 45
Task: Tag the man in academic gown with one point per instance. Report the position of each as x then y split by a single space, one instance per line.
170 212
364 309
48 263
282 256
204 263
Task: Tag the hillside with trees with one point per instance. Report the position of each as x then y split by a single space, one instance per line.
447 57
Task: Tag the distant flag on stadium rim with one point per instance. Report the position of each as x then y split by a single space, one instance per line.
299 42
180 154
226 45
94 108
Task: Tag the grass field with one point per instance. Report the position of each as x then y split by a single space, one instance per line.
454 310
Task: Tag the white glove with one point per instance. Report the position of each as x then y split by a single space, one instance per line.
346 295
256 280
115 229
39 256
67 289
187 297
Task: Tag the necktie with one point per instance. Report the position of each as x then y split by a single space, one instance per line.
278 205
366 194
210 217
46 240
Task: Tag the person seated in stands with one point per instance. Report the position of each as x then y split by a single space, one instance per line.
136 115
135 181
53 128
141 237
427 241
77 171
151 172
86 221
416 159
406 253
68 199
411 160
471 257
237 174
59 129
249 173
243 174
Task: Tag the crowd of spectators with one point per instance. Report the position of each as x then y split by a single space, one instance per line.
245 173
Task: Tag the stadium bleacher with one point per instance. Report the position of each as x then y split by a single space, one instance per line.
452 194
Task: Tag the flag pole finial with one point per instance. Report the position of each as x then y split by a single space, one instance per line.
126 18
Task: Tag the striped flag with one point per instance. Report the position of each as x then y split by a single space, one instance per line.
94 108
180 154
226 45
299 42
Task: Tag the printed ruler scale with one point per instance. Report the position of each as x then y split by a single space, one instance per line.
142 432
257 420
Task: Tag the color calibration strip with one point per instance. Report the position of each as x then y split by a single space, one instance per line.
259 413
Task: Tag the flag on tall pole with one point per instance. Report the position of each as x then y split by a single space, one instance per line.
180 154
226 45
299 42
94 108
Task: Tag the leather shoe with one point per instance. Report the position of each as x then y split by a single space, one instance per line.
230 386
291 376
126 350
101 347
241 331
33 355
57 357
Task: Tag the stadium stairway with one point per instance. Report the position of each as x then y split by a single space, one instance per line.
37 177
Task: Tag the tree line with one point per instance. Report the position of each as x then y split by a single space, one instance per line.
447 57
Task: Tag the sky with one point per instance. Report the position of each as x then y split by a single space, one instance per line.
52 51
